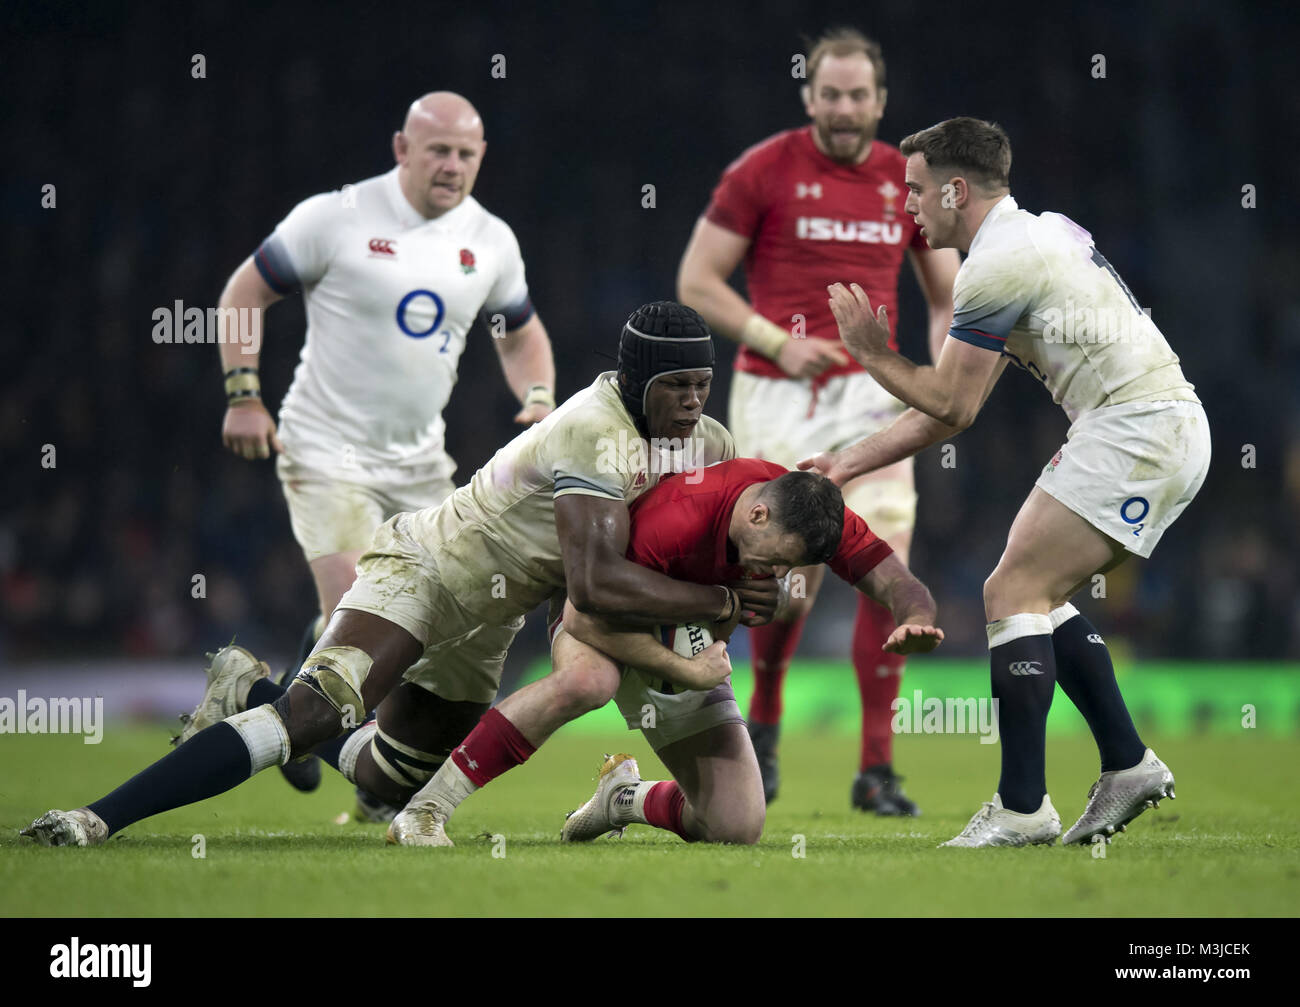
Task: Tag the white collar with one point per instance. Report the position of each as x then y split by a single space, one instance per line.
408 215
1004 205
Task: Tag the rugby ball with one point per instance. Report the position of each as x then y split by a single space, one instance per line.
688 639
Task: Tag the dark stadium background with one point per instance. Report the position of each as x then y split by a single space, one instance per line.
165 183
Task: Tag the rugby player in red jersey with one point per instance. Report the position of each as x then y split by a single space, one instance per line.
737 519
803 209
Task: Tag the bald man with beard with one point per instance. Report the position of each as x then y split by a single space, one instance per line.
393 272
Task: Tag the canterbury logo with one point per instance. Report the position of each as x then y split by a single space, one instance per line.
1095 638
382 246
802 191
1020 668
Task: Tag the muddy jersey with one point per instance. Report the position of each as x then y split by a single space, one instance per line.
1035 288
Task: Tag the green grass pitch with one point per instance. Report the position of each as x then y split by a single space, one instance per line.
1228 846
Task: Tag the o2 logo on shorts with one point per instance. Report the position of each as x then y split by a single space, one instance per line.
439 312
1134 511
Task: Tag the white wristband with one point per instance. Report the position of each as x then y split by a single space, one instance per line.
763 336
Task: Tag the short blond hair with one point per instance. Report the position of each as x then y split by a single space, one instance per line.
841 42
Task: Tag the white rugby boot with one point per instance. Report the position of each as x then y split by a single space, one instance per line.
231 673
81 827
596 818
994 825
1120 796
423 824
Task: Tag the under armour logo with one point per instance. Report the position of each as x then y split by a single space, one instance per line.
802 191
1020 668
1095 638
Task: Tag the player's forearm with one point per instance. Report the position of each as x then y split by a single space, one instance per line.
630 647
893 585
639 596
910 602
922 388
526 359
908 435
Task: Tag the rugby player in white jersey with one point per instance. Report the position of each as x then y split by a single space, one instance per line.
394 270
1035 290
548 514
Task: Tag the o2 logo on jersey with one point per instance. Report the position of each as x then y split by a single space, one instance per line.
1134 511
438 312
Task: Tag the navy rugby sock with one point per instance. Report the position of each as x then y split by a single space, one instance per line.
263 691
1087 677
1023 669
210 763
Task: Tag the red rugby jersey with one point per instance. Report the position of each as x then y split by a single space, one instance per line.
680 527
812 222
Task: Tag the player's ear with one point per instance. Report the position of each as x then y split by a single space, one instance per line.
884 97
805 93
400 146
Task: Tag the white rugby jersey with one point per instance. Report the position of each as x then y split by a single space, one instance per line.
390 299
1036 289
494 539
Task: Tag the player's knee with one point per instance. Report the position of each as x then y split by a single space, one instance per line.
998 594
308 719
736 830
585 687
371 778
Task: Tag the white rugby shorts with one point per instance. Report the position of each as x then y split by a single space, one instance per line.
1130 470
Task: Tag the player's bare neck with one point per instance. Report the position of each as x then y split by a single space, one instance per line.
974 220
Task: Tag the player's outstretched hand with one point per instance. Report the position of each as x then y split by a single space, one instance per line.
826 463
535 413
863 332
807 358
711 666
249 431
913 639
758 599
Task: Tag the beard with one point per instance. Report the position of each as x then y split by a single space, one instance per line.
826 134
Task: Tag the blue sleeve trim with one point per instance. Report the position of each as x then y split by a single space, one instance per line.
515 314
569 483
275 267
977 337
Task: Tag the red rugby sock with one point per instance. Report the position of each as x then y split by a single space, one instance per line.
494 746
771 647
663 808
879 676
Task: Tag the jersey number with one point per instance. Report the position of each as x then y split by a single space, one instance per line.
438 312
